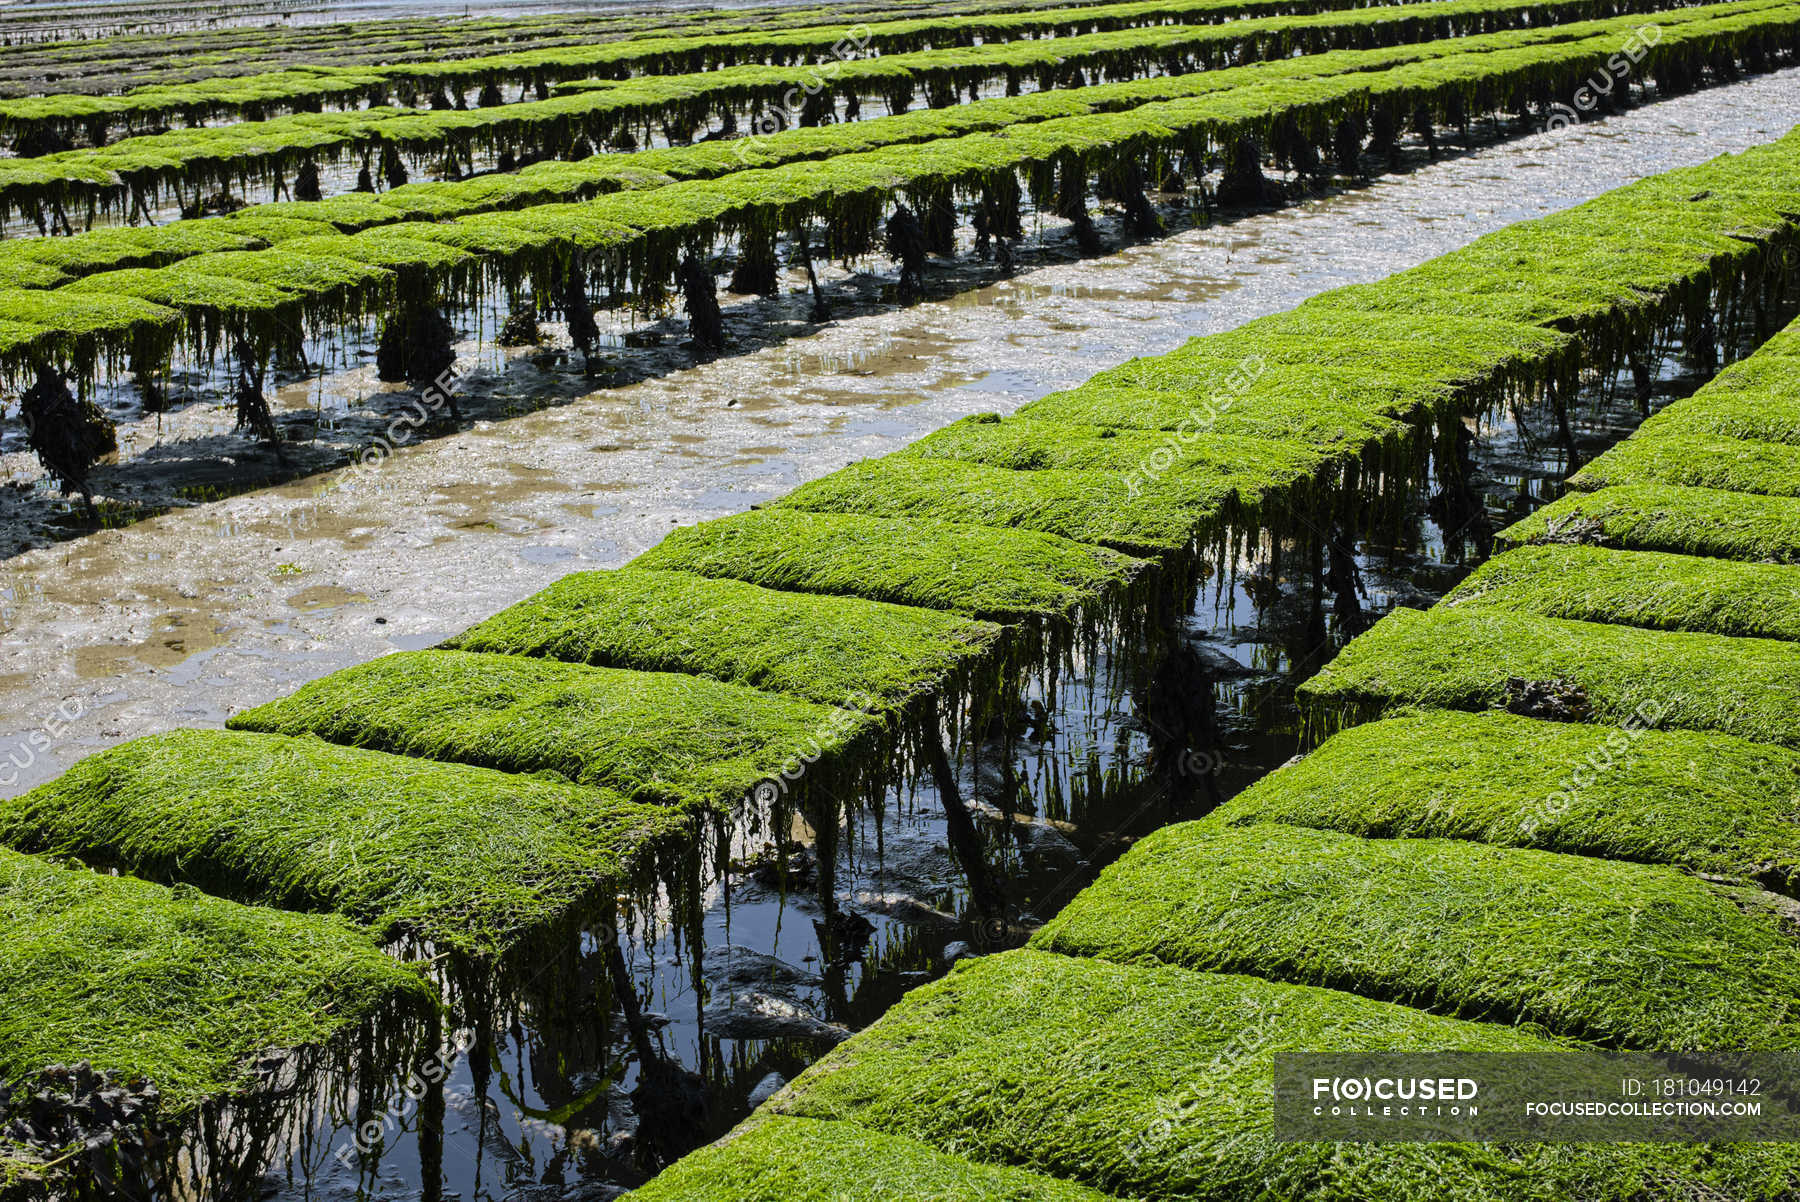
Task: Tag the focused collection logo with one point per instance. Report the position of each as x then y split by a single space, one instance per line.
1394 1097
1560 1096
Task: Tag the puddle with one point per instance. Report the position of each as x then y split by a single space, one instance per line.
324 596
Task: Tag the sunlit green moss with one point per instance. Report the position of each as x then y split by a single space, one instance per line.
173 985
1756 399
657 736
313 276
1625 955
190 290
1654 517
1465 657
1464 352
1251 465
1639 588
1696 461
686 51
825 649
1691 247
391 249
1147 516
778 1159
78 316
117 247
981 571
1564 300
1155 1082
1706 803
1324 409
462 858
555 181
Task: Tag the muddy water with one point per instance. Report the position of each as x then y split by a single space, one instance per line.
179 620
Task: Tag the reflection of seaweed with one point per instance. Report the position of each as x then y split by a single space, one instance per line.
905 244
578 311
69 436
88 1135
756 270
673 1103
306 182
698 286
339 1102
253 405
521 326
416 346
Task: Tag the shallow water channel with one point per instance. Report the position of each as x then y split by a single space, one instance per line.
182 619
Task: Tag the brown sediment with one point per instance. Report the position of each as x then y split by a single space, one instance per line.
325 596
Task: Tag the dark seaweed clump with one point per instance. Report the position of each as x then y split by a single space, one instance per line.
71 1131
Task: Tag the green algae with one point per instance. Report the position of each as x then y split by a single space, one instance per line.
461 858
1536 297
1228 481
1160 516
217 297
1639 588
1001 575
1785 344
79 317
1155 1082
1686 521
1462 352
654 736
1706 803
319 277
1463 658
1326 410
391 249
1254 466
1624 955
173 985
19 340
1113 27
265 227
81 330
1741 402
1750 416
823 649
346 214
116 248
1696 461
780 1159
22 273
645 226
550 182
